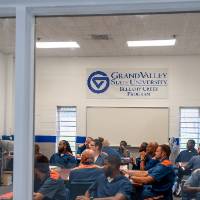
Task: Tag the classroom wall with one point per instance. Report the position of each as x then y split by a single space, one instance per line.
6 94
2 92
61 81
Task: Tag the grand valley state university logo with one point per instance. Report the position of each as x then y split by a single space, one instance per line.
98 82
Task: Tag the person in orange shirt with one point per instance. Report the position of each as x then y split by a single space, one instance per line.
87 171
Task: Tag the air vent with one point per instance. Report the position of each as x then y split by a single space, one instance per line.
100 36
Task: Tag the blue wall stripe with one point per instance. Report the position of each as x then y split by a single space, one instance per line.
45 138
52 139
80 139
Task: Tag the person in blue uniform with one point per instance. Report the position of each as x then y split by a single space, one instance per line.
158 180
123 150
87 171
83 147
148 159
50 186
64 158
142 149
186 155
194 162
191 189
109 150
111 185
99 157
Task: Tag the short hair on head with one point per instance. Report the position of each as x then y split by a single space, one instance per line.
98 143
42 163
192 141
114 160
124 142
143 147
166 149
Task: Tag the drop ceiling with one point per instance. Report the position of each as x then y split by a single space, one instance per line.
107 35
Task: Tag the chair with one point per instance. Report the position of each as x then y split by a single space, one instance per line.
78 189
165 196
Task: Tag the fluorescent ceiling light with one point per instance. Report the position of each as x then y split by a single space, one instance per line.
151 43
57 45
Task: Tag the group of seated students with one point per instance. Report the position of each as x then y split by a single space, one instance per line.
152 175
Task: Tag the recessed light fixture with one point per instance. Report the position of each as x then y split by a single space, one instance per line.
57 45
151 43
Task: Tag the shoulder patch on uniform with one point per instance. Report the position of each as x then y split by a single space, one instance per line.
166 163
54 175
82 166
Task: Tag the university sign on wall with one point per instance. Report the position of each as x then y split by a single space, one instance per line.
127 83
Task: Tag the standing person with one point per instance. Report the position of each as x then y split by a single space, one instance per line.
64 158
84 146
123 151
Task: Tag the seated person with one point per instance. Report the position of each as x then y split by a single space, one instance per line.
108 150
194 162
184 157
64 158
83 147
111 185
99 156
50 186
191 187
147 159
136 163
87 171
158 180
123 151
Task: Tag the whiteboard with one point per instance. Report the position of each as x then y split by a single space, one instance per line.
135 125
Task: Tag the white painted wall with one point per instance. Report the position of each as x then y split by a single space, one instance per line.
6 94
62 81
2 92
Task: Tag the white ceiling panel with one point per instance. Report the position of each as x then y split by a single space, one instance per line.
117 29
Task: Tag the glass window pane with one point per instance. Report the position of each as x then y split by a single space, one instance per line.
68 129
190 126
7 99
67 124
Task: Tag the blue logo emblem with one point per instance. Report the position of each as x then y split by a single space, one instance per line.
98 82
